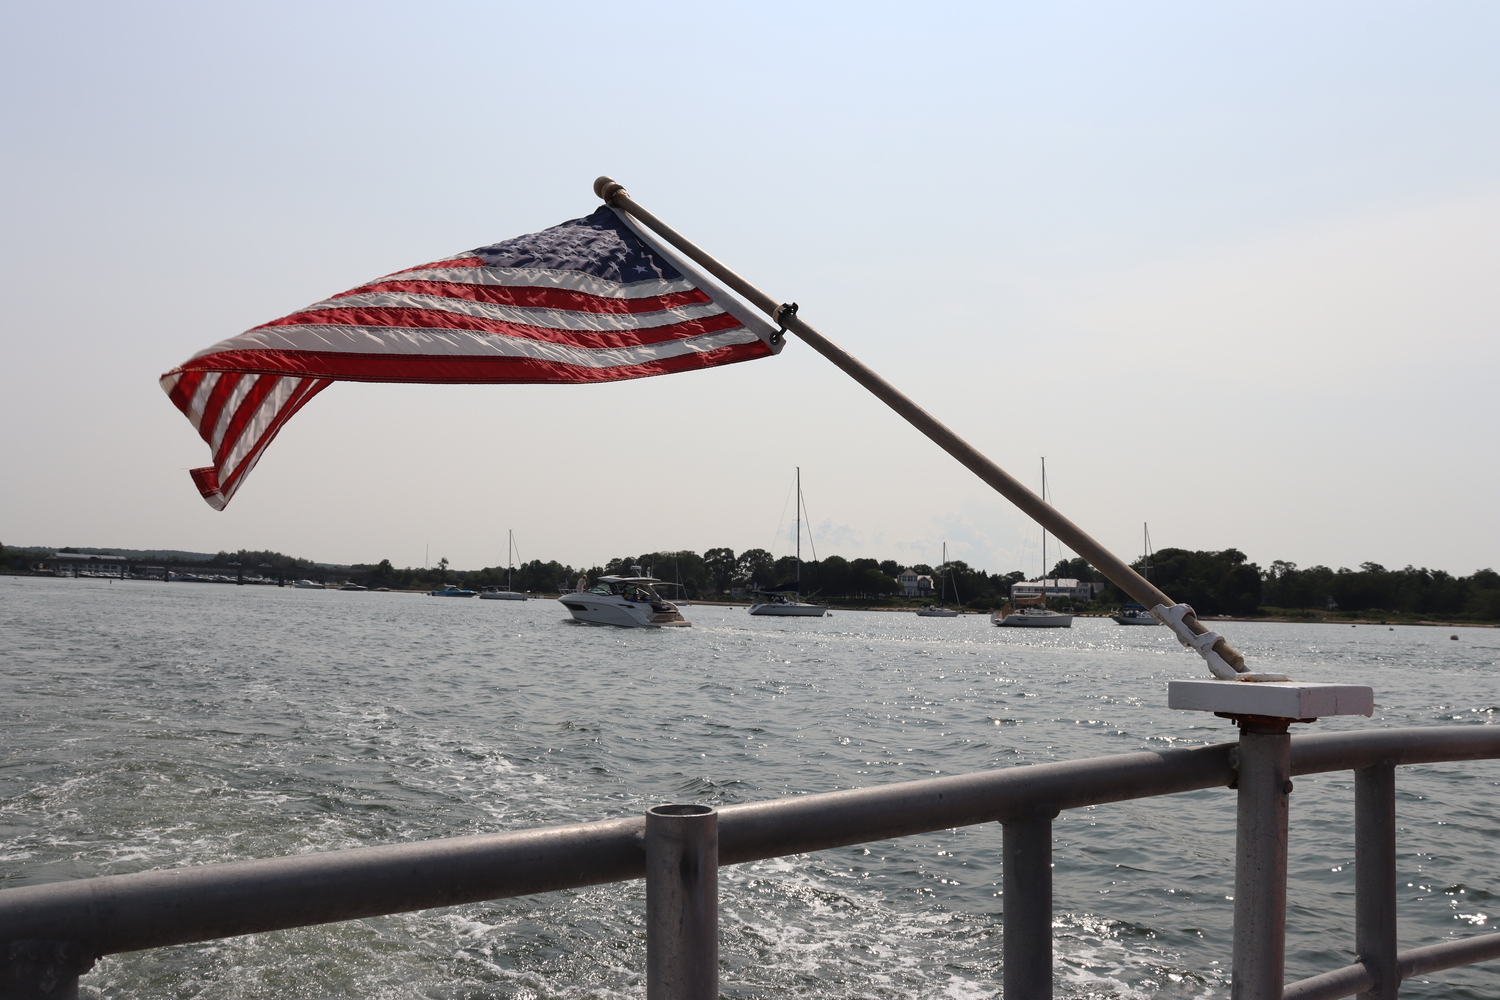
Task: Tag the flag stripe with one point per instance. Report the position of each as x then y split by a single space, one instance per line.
469 369
409 329
538 277
382 303
532 296
330 343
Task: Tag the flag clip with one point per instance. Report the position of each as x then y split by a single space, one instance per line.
781 315
1173 616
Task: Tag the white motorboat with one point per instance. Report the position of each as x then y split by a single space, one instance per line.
308 585
508 594
1032 618
937 610
782 601
783 604
627 601
1134 614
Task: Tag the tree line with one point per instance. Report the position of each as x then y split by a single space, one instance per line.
1213 582
1226 583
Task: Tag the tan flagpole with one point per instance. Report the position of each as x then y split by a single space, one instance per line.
1127 579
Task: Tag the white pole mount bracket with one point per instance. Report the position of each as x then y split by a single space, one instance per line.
1203 644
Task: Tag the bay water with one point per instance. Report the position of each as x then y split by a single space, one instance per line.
153 725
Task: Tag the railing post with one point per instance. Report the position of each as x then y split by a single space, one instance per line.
42 970
1375 877
1026 888
1265 767
682 903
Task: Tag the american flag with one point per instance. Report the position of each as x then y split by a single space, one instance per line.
591 300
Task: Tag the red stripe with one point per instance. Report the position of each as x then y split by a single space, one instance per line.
450 262
437 319
263 386
466 368
531 296
207 481
182 393
217 397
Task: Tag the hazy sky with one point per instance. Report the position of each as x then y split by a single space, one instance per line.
1231 267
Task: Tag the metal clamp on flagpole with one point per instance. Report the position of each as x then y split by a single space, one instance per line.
782 315
1203 644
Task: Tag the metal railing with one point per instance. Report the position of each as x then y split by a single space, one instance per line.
51 934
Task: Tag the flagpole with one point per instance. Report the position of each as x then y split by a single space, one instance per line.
1143 591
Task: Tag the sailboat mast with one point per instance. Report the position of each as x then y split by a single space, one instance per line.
1044 534
510 544
799 529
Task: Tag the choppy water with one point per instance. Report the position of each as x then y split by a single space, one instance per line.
152 725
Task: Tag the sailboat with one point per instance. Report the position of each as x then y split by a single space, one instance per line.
495 593
784 601
1135 614
938 611
1036 615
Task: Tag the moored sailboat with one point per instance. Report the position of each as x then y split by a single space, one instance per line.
1136 614
937 610
1036 615
785 601
508 594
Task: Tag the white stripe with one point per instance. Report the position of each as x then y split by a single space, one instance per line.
462 343
236 397
556 319
265 413
200 400
538 277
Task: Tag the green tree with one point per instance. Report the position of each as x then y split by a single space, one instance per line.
1214 583
721 565
756 567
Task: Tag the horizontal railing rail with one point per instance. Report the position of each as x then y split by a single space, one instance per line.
118 913
1353 979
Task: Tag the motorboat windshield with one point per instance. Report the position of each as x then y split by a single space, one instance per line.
632 588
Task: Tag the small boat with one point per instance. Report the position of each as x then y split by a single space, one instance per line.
308 585
1134 614
1033 612
353 586
452 590
782 601
1032 617
773 601
495 593
937 610
627 601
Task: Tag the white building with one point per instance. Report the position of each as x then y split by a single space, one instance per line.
914 584
85 564
1080 590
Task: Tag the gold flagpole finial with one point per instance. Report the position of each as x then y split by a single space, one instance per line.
607 187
